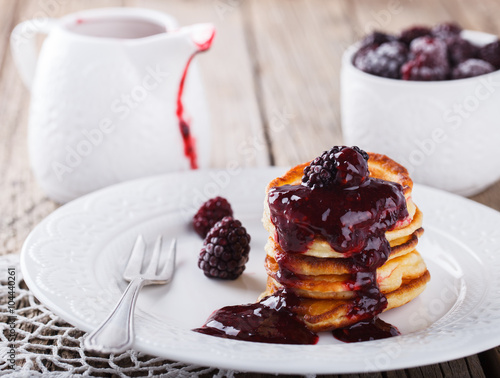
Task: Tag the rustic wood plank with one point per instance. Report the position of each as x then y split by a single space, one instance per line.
489 197
476 370
297 48
7 17
394 16
237 133
396 374
489 362
456 368
480 16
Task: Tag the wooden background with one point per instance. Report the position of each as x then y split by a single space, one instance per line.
272 81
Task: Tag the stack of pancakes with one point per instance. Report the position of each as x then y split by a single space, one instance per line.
320 277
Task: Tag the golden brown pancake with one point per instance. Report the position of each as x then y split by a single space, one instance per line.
390 277
300 263
327 314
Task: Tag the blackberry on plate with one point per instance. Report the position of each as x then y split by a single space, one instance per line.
210 213
225 250
340 165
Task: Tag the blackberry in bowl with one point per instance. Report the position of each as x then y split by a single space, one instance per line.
428 97
421 53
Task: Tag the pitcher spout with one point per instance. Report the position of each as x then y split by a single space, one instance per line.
202 35
197 37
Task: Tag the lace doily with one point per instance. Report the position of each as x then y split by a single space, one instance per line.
45 345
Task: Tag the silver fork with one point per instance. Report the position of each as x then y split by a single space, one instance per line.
116 333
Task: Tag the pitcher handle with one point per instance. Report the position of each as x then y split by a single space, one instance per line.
23 46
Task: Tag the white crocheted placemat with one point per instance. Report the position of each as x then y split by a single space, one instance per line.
35 342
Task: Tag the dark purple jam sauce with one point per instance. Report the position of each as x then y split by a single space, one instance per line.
268 321
348 218
373 329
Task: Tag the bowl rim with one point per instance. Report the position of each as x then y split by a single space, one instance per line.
470 35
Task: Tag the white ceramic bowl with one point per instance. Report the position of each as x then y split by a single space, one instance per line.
446 133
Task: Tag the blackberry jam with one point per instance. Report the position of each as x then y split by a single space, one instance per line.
269 321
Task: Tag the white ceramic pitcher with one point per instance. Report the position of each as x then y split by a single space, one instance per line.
104 93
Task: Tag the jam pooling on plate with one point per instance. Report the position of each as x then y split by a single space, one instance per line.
373 329
269 321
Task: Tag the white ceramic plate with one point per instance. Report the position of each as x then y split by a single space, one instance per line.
74 258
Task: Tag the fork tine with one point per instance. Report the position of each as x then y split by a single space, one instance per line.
155 258
136 256
169 268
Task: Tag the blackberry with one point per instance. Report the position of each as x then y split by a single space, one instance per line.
225 250
210 213
360 151
446 29
375 39
338 165
384 60
490 53
433 51
417 71
352 167
460 50
409 34
472 68
429 62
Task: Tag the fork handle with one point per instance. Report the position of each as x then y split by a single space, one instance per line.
116 333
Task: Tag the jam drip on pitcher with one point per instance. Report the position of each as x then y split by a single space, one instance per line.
184 125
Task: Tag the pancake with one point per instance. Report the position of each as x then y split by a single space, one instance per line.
327 314
306 264
390 277
321 248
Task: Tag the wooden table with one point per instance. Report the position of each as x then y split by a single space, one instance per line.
272 81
